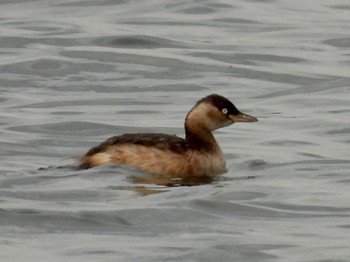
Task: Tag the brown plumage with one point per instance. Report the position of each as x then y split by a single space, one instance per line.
171 156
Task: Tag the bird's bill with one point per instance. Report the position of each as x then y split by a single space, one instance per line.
243 118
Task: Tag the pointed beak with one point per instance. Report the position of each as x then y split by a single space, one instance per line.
243 118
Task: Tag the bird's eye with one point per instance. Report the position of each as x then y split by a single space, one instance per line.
224 111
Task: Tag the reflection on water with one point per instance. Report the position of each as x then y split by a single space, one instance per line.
140 190
145 182
172 181
74 73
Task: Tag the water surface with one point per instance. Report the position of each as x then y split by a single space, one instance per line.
74 73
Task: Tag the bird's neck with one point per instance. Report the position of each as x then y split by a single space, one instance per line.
199 129
201 139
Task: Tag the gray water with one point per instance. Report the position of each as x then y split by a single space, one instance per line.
74 73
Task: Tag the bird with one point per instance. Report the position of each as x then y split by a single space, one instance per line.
170 156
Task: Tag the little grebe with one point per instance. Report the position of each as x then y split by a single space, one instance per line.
171 156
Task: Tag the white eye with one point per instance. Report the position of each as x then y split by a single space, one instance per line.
224 111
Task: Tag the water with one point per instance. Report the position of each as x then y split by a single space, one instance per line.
74 73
